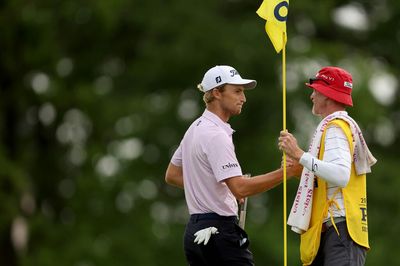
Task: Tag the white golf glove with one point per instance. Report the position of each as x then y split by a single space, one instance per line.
204 235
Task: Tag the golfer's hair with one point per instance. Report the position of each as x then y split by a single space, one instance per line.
208 96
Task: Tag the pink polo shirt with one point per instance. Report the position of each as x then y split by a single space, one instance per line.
207 157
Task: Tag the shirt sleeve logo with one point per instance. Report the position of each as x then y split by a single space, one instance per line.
229 166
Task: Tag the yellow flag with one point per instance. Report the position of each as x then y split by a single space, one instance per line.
275 12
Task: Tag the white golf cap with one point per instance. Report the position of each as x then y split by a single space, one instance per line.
220 75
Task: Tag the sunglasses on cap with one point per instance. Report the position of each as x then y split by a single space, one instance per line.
313 80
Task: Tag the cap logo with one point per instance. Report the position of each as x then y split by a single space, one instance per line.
325 77
348 84
218 79
233 72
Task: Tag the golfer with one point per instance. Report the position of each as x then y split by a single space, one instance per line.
205 165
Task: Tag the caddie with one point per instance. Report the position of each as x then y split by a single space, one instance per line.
330 207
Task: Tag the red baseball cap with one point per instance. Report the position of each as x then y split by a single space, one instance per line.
335 83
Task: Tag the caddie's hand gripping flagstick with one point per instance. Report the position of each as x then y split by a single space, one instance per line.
243 209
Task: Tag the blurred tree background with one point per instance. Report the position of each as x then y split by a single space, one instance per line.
96 95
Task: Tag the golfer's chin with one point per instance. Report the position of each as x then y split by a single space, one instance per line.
237 111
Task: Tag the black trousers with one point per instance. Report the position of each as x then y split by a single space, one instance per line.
339 250
228 247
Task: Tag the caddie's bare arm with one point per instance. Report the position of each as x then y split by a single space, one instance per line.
174 175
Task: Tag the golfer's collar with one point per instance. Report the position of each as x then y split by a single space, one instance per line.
218 121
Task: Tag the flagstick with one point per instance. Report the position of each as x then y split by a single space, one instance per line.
284 154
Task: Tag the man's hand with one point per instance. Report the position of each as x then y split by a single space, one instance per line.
240 201
293 168
204 235
288 144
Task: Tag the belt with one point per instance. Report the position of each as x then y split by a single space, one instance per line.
328 224
212 216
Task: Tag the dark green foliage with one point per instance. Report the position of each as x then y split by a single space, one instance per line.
95 96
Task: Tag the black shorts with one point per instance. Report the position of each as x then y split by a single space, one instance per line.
228 247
